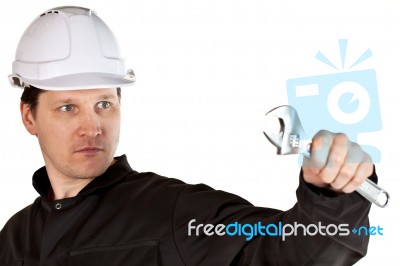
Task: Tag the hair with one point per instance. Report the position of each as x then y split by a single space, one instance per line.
30 96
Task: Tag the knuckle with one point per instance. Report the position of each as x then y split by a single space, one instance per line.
317 142
348 189
346 173
337 159
318 163
357 180
367 158
355 146
341 136
322 132
308 176
322 137
366 170
335 185
327 179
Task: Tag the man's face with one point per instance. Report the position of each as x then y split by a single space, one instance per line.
78 131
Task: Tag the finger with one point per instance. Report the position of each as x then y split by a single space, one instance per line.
363 171
345 174
312 178
320 149
355 157
336 159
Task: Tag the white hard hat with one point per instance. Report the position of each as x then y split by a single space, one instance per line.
68 48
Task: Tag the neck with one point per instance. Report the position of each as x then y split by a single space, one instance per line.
62 189
68 184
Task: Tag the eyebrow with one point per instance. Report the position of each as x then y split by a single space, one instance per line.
101 98
107 97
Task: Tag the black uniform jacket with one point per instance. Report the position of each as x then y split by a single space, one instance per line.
128 218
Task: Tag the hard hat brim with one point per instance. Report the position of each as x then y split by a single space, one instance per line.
80 81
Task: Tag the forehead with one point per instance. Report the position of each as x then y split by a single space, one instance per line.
77 95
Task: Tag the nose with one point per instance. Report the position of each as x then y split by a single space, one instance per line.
90 124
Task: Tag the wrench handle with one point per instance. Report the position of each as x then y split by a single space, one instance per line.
374 193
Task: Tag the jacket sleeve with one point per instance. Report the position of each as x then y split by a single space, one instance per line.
320 223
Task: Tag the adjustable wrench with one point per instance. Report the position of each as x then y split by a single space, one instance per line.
291 139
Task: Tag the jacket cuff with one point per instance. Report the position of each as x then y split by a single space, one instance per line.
326 192
319 203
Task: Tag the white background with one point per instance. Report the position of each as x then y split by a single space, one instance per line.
207 72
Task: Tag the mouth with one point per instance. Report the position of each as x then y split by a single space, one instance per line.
90 150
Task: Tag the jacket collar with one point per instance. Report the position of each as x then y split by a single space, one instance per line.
113 174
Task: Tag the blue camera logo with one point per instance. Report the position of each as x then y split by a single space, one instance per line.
345 102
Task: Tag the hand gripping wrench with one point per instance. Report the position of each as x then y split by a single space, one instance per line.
291 139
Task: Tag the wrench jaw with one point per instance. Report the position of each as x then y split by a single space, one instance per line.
291 138
275 139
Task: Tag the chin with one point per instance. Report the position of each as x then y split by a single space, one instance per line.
92 167
89 173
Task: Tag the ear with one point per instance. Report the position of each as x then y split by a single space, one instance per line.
27 118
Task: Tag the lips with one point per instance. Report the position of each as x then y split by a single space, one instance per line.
90 149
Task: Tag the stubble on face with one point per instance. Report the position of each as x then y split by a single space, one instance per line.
78 132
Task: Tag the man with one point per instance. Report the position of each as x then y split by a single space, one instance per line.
94 209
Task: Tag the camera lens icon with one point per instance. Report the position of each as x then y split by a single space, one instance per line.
345 102
348 102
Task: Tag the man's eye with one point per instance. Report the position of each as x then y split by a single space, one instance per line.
67 108
103 105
